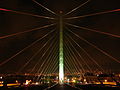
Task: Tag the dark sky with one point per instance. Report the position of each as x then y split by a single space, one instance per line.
12 23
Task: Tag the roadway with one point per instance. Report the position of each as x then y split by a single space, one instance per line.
43 87
63 87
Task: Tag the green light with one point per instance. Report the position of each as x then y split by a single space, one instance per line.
61 58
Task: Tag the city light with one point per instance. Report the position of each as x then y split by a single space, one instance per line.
27 82
36 83
77 55
105 80
1 77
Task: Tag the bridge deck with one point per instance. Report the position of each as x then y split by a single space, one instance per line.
62 87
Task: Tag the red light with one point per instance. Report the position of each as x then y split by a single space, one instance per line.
2 9
117 10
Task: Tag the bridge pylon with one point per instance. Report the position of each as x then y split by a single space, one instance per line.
61 55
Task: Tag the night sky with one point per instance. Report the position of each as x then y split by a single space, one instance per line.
12 23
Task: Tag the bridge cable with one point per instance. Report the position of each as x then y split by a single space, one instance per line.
7 60
75 64
78 7
35 55
92 30
44 7
42 57
82 58
105 53
67 65
94 14
71 63
24 13
86 53
70 54
34 29
49 61
53 45
73 54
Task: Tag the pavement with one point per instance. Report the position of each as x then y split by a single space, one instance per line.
62 87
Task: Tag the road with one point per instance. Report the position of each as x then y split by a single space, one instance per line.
62 87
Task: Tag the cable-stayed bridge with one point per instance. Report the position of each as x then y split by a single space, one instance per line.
59 51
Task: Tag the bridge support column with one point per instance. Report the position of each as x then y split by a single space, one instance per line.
61 55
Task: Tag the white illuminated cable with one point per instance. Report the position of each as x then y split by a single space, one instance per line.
35 55
42 57
94 14
78 61
38 71
44 71
49 63
74 61
78 7
82 71
102 51
48 57
45 59
92 30
67 70
7 60
55 64
86 53
44 7
82 58
72 65
71 59
34 29
68 65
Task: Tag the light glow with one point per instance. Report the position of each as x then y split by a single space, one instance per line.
0 77
36 83
27 82
105 80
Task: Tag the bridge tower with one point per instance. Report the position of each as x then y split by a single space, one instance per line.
61 55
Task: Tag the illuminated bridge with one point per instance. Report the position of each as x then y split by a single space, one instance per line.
59 44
